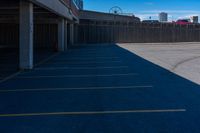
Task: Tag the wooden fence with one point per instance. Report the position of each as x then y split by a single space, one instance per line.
110 32
45 35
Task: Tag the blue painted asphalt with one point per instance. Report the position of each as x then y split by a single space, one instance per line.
67 82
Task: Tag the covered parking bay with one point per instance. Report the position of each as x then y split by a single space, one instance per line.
9 38
31 32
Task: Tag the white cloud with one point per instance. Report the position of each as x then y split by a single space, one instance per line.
146 16
172 14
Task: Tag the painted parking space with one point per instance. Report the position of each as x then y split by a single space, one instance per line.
116 91
47 72
84 81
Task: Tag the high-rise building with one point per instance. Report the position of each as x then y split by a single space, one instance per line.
163 17
195 19
79 4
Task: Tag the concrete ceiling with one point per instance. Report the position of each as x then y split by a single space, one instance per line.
9 12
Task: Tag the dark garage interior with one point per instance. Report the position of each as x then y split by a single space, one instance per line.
45 36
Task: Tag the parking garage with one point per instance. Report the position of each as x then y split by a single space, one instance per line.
93 87
31 31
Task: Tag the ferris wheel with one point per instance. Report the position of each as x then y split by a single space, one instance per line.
115 10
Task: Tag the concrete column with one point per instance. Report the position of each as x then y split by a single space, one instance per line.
66 36
72 34
26 35
75 33
61 34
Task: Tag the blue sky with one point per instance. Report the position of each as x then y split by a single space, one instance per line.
146 8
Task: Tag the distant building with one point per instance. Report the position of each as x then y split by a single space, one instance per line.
163 17
195 19
79 4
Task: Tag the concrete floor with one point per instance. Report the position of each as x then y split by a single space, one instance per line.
99 89
180 58
9 60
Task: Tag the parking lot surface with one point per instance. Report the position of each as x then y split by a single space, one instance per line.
181 58
99 89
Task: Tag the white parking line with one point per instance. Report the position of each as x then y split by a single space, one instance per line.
88 58
82 88
79 68
95 112
10 77
76 76
47 59
85 62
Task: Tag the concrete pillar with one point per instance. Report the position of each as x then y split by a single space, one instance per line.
26 35
66 36
61 34
71 33
75 33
